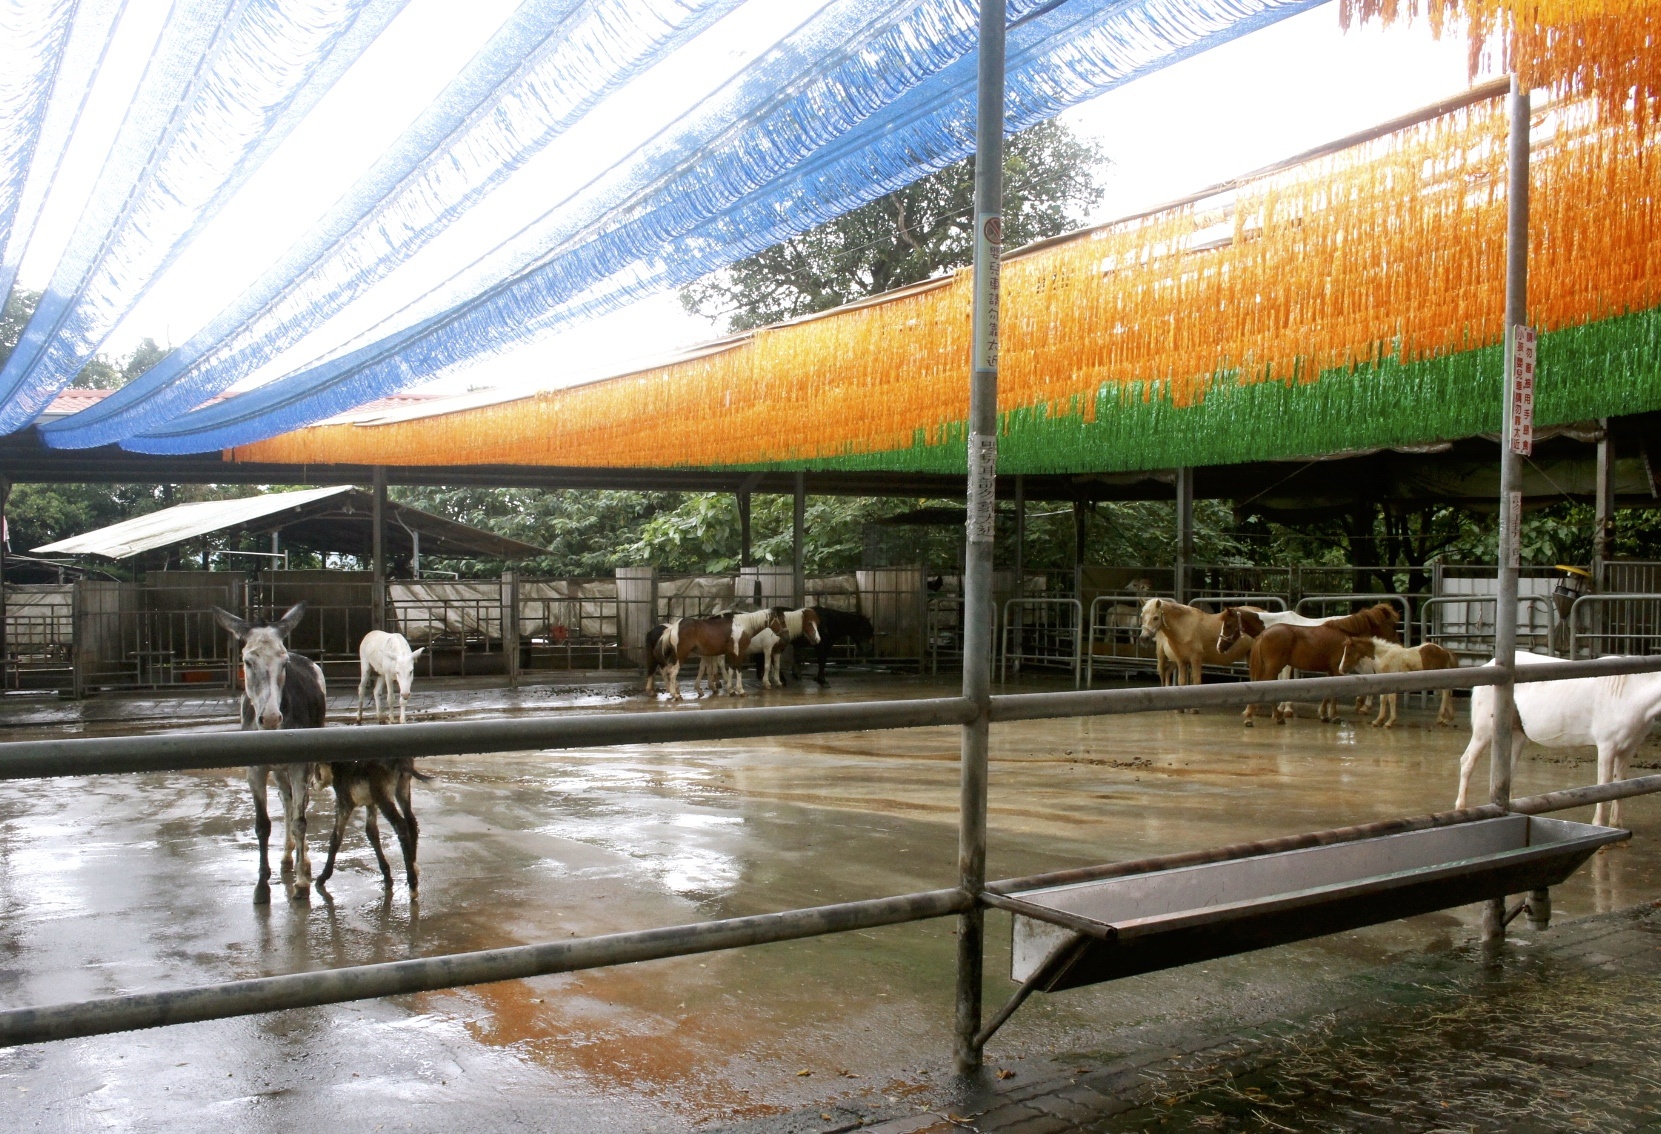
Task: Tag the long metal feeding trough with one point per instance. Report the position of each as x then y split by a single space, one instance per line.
1078 934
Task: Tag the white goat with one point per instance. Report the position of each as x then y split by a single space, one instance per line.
388 658
1613 713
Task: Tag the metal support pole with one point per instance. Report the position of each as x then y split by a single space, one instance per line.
979 528
744 557
377 553
1185 532
510 626
798 540
1505 613
1603 538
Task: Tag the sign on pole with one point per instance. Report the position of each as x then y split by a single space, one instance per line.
1520 376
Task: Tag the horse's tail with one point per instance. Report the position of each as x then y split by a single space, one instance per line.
669 645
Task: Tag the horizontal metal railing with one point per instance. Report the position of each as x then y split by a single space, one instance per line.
85 756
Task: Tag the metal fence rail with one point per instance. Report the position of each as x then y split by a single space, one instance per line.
93 755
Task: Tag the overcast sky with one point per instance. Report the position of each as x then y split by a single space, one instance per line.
1263 97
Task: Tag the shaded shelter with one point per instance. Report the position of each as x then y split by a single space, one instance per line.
337 519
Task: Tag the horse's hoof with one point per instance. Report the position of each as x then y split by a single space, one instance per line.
302 892
262 894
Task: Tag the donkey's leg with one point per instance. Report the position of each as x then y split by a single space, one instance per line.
372 828
285 795
383 687
343 816
301 788
381 786
257 779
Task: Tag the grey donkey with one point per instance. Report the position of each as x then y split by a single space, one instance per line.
280 690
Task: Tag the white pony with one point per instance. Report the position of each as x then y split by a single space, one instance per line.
388 658
1613 713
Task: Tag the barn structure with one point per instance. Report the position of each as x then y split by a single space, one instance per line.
1371 300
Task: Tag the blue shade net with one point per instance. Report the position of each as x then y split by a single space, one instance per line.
550 63
861 99
33 41
855 104
228 80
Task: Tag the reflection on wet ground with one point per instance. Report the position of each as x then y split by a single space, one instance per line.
129 883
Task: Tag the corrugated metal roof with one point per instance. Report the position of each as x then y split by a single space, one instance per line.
183 522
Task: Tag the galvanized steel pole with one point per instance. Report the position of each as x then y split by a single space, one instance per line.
1185 531
377 550
1505 608
798 540
977 568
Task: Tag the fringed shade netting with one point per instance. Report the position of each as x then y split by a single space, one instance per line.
227 82
861 99
536 77
1351 300
855 99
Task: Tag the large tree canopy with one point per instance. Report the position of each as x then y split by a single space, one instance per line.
1050 183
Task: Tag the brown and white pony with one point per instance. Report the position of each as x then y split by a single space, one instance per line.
723 636
1188 636
1375 655
280 690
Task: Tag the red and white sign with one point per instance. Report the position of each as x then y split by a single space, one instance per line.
1520 373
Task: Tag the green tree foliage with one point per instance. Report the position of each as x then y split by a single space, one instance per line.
1050 183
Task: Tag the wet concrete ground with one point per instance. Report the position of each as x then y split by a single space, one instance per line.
134 883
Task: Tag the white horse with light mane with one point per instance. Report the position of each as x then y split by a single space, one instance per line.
386 658
1612 713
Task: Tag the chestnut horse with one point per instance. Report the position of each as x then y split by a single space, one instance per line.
1318 649
1375 655
1244 621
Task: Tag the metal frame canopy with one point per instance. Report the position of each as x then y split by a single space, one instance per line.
837 103
324 519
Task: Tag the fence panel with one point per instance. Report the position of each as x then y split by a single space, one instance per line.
1614 624
1043 633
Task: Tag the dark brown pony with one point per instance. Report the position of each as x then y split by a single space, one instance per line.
1317 649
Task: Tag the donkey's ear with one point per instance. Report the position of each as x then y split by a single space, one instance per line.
232 623
417 653
289 620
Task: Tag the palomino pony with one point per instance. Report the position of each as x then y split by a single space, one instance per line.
280 690
1613 713
386 658
1375 655
1188 636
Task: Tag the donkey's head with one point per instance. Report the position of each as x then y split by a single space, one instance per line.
1153 618
264 660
